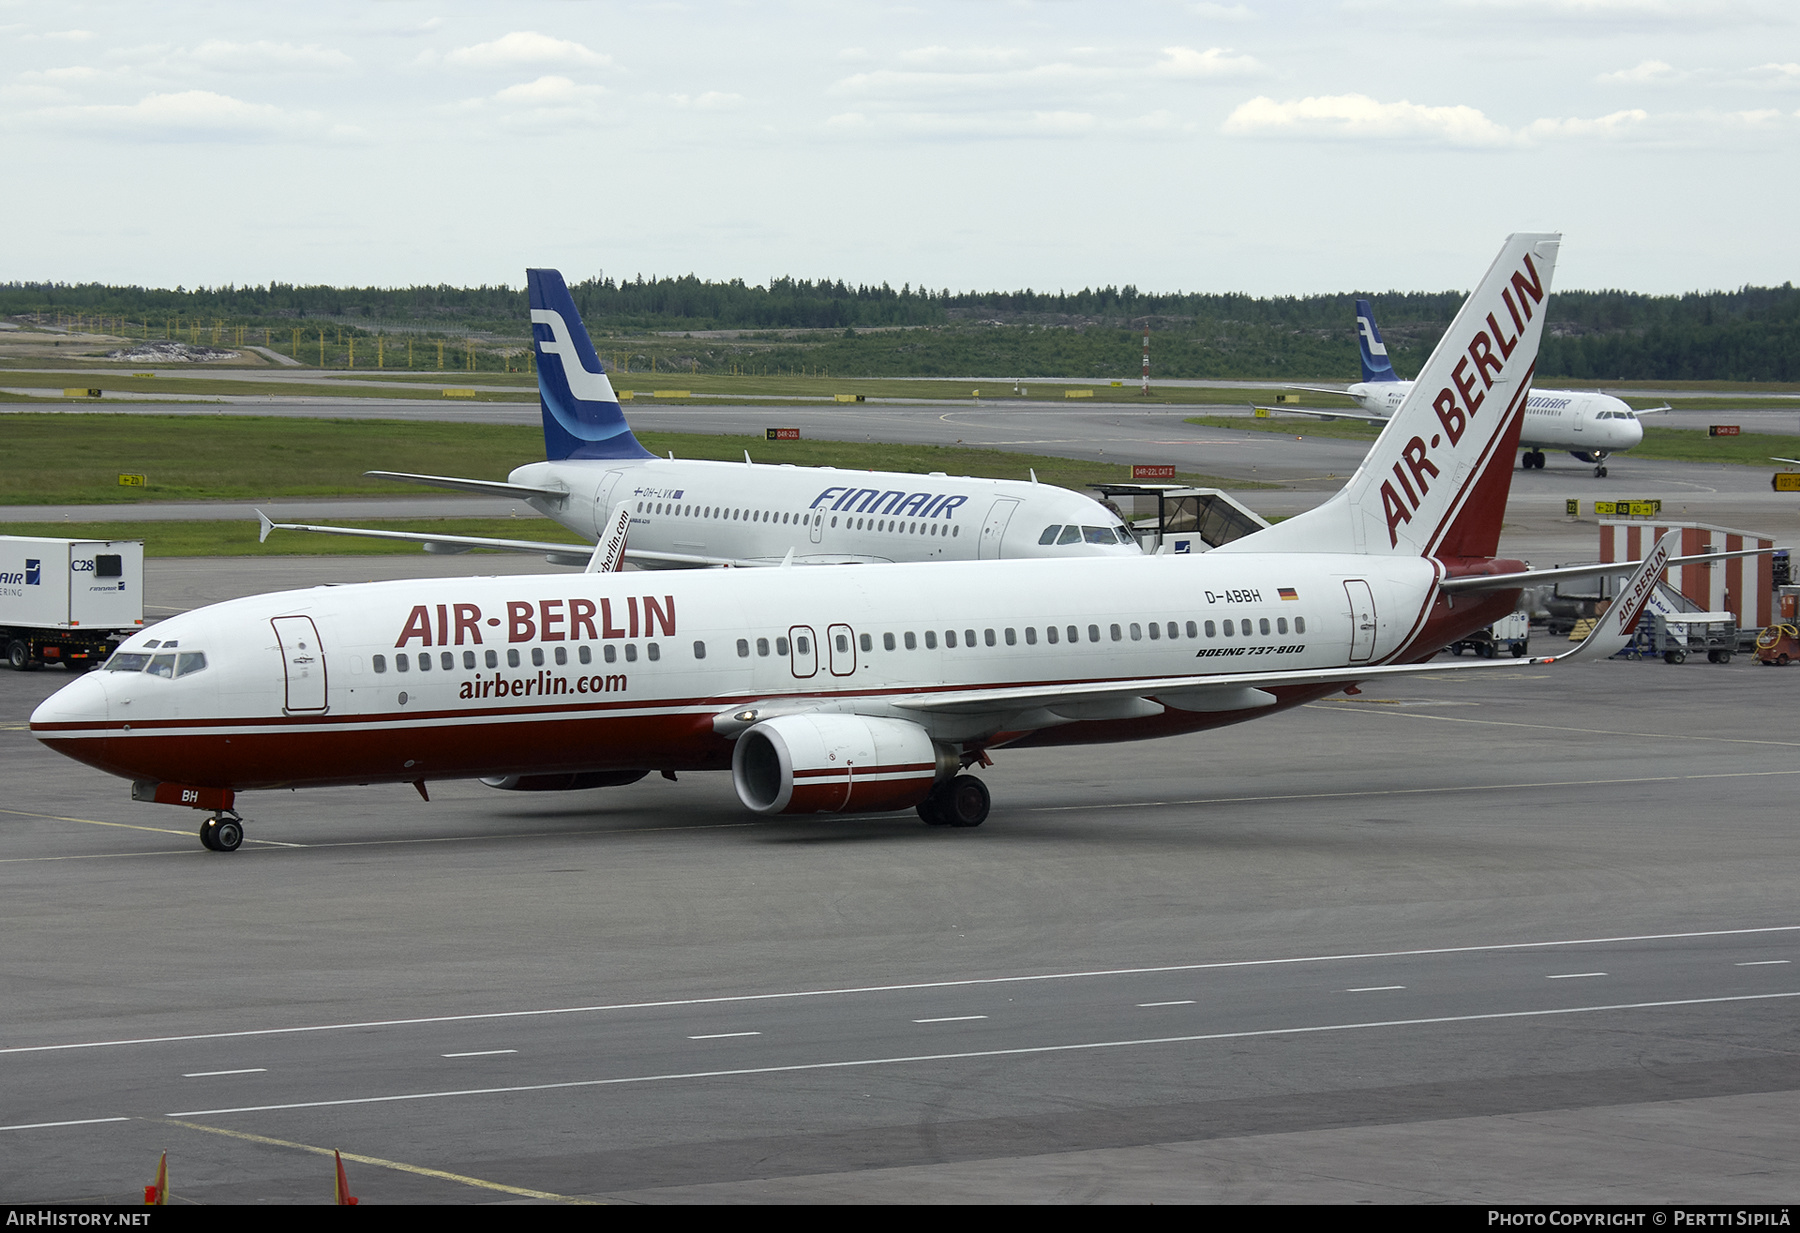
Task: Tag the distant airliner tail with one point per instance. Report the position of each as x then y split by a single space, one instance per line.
1435 482
582 416
1375 363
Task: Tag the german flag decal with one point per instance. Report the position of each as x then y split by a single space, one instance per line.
1288 592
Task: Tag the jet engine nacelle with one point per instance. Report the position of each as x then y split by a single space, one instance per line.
837 764
567 782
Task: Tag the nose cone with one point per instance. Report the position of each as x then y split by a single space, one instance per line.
1633 432
80 704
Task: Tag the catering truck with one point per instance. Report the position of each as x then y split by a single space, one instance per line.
68 601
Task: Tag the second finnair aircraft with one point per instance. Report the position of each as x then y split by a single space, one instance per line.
692 512
1590 425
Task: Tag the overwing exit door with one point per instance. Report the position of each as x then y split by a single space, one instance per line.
1362 619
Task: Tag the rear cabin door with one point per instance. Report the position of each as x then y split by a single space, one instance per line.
1362 619
995 528
304 661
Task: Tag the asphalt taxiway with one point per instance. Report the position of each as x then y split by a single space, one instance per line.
1529 937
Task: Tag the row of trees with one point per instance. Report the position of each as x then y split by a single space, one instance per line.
1751 334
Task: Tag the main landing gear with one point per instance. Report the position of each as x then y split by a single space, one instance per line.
1533 460
223 832
962 801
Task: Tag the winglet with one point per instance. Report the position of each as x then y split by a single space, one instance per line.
1617 624
788 561
747 461
609 553
267 526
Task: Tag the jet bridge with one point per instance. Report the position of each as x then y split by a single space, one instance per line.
1186 519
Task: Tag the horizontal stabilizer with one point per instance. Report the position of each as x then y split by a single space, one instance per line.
1570 573
498 488
1616 626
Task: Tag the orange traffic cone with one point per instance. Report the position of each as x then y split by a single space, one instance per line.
156 1194
344 1197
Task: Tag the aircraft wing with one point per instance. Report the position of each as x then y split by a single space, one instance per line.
1791 461
1654 410
1321 389
496 488
555 553
1372 417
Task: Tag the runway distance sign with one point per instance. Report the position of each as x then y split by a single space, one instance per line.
1152 471
781 434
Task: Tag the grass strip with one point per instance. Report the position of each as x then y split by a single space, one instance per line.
237 538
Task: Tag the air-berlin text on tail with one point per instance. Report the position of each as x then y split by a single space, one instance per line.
1458 403
542 620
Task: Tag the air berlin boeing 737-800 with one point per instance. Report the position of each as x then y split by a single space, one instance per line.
849 690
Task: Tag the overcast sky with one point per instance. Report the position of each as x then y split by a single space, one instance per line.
1270 148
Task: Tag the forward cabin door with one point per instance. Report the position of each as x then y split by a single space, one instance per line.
1362 619
304 661
843 650
995 528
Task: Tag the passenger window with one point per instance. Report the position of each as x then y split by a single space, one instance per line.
1230 628
1263 624
631 652
1031 635
512 657
1012 639
1137 633
469 658
1281 625
1299 625
843 643
868 642
401 663
537 657
743 648
931 640
803 644
1075 634
1175 631
1049 535
1070 535
379 662
424 661
887 642
781 647
1209 629
969 638
492 657
190 662
584 654
1116 634
987 636
912 643
1094 633
609 653
762 647
950 637
562 655
1050 633
654 651
699 650
1155 631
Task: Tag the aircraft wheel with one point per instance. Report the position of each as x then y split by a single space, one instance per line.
967 801
1599 472
229 836
208 829
932 810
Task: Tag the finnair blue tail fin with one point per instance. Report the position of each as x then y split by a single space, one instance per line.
1375 363
582 417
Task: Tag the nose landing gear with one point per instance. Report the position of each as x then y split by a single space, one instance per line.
223 832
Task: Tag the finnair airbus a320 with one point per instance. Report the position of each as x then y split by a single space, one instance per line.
1590 425
850 690
691 512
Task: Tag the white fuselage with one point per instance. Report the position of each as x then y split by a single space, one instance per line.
467 677
1582 421
726 511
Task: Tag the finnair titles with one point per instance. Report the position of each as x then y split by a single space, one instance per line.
698 513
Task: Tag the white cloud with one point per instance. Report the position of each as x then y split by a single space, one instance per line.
1617 124
963 59
185 116
1774 74
526 47
712 100
1358 117
1224 12
1648 72
549 92
1214 62
264 56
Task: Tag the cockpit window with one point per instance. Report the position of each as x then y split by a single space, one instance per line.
1099 535
1124 535
1049 535
190 662
161 665
122 662
1070 535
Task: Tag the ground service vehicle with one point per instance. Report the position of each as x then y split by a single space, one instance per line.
68 601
